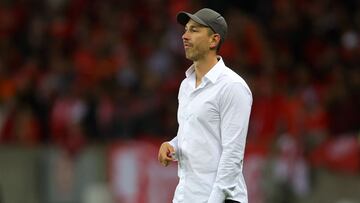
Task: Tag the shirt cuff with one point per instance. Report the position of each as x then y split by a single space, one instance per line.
216 196
173 144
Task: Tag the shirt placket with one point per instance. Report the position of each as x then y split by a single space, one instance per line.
191 93
182 142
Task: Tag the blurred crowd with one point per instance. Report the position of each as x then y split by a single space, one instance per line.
82 71
77 72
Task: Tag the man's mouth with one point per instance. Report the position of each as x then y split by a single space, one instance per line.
187 45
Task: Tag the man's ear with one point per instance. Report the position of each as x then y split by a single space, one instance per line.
215 40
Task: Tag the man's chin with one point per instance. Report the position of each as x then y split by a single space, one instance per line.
189 56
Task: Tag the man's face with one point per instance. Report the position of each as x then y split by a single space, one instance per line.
196 39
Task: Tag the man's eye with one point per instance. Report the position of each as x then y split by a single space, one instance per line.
190 30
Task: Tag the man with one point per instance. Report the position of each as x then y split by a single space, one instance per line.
213 116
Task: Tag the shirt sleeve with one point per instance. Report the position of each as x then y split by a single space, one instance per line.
234 106
174 142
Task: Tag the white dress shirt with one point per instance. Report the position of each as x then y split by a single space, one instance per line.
213 122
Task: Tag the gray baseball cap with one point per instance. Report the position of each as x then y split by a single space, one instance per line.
206 17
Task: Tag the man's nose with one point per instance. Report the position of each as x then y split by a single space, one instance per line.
185 35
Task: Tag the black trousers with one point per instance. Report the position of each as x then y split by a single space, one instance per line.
231 201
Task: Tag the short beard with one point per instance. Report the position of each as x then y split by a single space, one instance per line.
194 56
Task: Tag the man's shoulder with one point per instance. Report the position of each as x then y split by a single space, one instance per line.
230 78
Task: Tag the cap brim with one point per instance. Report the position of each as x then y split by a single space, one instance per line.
184 17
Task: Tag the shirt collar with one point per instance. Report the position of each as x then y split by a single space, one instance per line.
213 73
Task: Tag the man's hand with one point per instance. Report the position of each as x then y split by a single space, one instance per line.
165 154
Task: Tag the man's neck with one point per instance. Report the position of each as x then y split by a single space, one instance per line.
203 66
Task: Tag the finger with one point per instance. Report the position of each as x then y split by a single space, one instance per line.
165 163
162 153
165 160
163 157
164 150
160 156
168 158
171 149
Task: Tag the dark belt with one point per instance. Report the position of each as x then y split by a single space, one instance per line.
231 201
